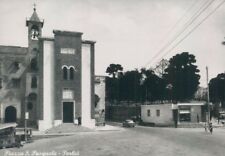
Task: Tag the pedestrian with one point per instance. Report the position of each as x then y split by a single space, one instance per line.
197 118
210 128
205 127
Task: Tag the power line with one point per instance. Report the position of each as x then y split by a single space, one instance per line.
193 29
179 20
187 24
184 15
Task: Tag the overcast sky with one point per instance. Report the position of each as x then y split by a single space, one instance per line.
128 32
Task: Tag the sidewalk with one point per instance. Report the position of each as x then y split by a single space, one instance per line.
216 124
108 128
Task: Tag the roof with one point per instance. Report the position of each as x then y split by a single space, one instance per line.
191 104
46 38
67 33
88 42
159 104
15 50
34 18
178 104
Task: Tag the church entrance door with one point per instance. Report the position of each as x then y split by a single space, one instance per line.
68 113
10 114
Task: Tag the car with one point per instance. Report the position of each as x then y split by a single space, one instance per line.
8 137
128 123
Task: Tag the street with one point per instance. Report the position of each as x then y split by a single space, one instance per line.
138 141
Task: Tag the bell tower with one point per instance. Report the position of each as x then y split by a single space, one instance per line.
35 26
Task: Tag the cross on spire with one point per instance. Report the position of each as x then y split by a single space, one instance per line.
34 7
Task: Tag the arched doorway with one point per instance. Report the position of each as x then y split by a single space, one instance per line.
10 114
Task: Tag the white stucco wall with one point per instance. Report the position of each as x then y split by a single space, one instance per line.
48 85
86 86
166 114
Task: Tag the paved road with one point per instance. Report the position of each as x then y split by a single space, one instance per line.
138 141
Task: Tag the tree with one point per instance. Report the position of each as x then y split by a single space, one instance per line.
153 87
114 69
112 84
111 89
183 75
217 88
130 85
160 67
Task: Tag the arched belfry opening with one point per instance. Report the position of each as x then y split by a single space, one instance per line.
10 114
34 32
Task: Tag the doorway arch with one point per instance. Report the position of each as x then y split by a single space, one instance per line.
10 114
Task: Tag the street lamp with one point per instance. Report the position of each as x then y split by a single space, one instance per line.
207 80
170 89
26 116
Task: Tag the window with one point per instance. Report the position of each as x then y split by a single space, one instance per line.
29 106
0 83
33 64
67 93
71 73
32 97
68 51
16 83
148 112
34 32
34 82
65 76
68 72
0 67
35 49
157 112
185 114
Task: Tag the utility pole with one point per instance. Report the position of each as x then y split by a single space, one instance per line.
207 81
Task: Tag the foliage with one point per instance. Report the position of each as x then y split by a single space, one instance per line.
153 86
183 75
160 67
179 81
217 88
113 69
129 85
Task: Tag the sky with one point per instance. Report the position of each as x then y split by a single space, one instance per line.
127 32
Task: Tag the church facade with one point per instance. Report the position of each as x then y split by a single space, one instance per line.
50 82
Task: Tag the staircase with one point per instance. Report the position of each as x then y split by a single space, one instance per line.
67 128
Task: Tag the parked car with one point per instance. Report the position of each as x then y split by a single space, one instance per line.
8 137
222 118
128 123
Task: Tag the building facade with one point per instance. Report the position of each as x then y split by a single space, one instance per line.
167 114
51 81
